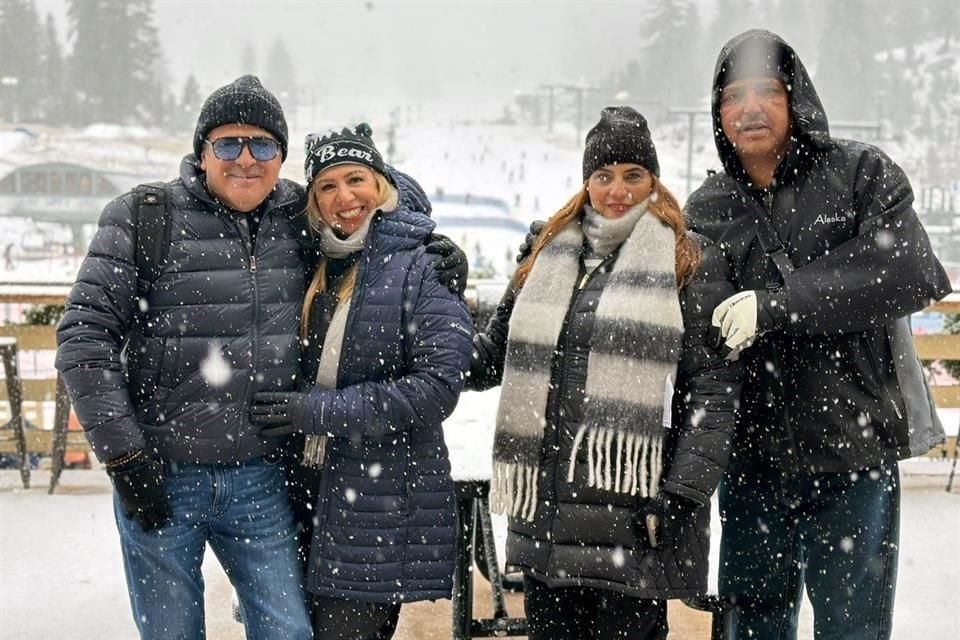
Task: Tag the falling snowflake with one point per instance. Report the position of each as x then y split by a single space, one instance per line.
215 369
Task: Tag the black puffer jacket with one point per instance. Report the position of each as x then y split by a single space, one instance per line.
821 392
218 327
585 536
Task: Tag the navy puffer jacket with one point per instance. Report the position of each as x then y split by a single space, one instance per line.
218 327
385 521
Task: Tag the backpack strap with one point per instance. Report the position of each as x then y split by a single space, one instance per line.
152 224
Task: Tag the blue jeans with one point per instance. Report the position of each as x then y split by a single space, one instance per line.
242 511
836 534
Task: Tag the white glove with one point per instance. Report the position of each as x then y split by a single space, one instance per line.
737 319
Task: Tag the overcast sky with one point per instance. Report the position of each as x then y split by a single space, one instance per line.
412 50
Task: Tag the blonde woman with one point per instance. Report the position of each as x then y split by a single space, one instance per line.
387 344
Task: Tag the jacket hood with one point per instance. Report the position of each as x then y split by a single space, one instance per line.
809 122
412 195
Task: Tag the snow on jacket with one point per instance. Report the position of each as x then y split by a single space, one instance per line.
821 392
385 522
218 327
584 536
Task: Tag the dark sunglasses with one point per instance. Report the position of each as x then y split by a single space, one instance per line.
230 148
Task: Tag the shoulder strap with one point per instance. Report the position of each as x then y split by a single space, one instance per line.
767 235
152 223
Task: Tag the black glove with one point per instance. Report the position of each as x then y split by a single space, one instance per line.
278 413
138 480
484 350
658 522
452 268
527 247
484 364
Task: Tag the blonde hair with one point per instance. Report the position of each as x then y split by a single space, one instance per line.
318 284
664 206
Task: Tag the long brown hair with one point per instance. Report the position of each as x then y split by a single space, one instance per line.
663 205
319 282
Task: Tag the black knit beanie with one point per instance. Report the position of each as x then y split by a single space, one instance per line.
760 56
346 147
243 101
622 135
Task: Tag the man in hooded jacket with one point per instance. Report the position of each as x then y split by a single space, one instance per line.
830 260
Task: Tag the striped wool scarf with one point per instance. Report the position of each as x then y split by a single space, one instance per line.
633 360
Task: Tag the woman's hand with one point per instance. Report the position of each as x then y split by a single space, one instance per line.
278 413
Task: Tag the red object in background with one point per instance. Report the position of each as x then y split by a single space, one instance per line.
75 459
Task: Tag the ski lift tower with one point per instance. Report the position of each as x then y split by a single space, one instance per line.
691 113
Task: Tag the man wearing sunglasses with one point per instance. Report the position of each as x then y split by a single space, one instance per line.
219 324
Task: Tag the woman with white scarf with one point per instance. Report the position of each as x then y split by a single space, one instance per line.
616 410
386 345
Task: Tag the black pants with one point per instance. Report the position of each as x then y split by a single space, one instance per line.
335 619
587 613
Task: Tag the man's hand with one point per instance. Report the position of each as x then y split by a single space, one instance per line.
452 267
527 247
736 318
138 481
278 413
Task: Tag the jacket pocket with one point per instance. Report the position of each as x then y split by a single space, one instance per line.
885 392
168 359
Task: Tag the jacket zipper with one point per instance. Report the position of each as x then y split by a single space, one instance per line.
554 409
252 261
768 200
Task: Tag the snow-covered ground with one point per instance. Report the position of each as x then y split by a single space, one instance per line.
61 574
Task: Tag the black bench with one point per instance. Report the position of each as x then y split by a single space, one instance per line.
475 544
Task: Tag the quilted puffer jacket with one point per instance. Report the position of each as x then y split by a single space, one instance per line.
219 324
385 521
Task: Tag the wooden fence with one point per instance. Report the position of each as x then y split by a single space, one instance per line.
39 395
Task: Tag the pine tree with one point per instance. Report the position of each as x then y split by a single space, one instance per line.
116 53
52 74
847 76
20 55
190 103
248 60
280 76
944 19
665 52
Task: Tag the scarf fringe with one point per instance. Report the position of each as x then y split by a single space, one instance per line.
620 462
314 451
513 490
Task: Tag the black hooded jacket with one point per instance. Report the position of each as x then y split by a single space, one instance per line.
822 392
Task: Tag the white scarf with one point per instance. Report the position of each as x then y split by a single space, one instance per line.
633 358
